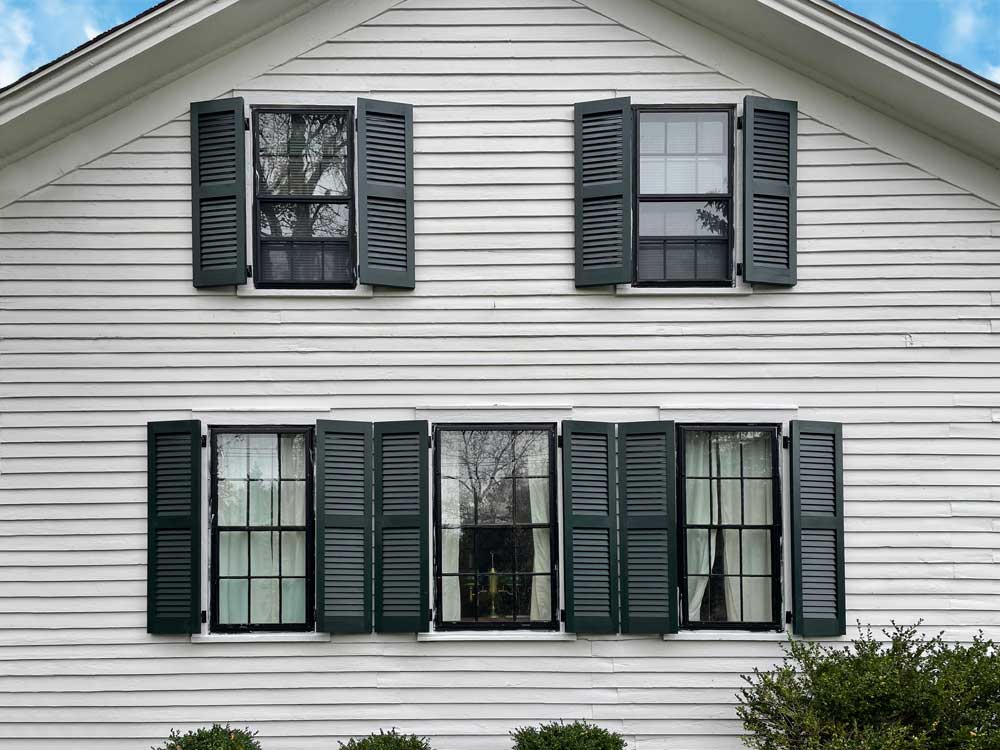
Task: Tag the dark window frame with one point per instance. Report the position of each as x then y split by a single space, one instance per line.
729 197
350 200
310 529
776 528
551 429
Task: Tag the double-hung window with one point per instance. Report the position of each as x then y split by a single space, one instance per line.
496 556
304 197
684 196
262 529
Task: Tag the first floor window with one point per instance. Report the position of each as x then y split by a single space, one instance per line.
495 526
262 529
729 520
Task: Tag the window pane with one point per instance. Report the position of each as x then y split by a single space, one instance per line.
757 600
232 502
696 453
531 454
263 456
697 587
684 218
698 501
303 153
232 553
728 508
531 500
724 599
496 503
307 261
699 556
683 152
232 456
726 456
303 219
534 598
458 551
495 550
459 600
757 454
756 552
263 503
293 553
264 601
293 503
293 456
532 550
758 500
293 600
496 598
264 553
457 504
233 601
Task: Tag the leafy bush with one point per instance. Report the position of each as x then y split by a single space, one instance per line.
558 736
388 741
907 693
217 738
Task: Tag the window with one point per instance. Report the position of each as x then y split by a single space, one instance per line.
685 184
730 513
496 555
304 198
262 529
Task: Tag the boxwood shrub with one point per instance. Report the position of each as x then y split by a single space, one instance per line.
216 737
558 736
904 692
390 740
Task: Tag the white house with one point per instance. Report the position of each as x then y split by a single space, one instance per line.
456 365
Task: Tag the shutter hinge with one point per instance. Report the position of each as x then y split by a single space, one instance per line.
739 122
204 616
788 617
246 123
739 269
249 272
204 444
562 615
559 441
430 615
786 442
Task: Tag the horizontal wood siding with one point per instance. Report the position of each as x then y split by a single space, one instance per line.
892 330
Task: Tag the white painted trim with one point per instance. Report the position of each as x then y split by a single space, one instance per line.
262 638
726 635
361 290
495 635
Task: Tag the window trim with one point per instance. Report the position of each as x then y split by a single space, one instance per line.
552 625
350 200
777 530
730 196
215 627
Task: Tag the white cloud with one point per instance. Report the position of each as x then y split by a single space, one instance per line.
15 43
90 30
992 72
965 24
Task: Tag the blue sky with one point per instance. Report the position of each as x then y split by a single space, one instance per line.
32 32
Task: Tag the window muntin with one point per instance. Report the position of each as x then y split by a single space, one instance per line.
262 529
304 197
684 201
496 553
730 522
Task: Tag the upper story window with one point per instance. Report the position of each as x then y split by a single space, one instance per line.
304 197
261 526
495 520
684 197
730 523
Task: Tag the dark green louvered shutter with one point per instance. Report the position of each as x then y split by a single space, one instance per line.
173 512
647 498
343 527
385 194
218 193
590 536
817 479
770 128
603 154
401 518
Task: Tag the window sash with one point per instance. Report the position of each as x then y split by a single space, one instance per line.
775 529
552 525
215 528
348 199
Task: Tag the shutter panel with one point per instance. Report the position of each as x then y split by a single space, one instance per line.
647 492
402 585
818 529
385 193
589 529
218 193
173 513
343 527
770 129
603 192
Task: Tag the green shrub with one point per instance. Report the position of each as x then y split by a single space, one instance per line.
909 692
217 738
388 741
558 736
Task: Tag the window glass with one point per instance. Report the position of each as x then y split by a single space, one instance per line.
261 532
494 526
728 526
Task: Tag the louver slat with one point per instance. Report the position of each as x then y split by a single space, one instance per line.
402 576
603 192
218 193
589 528
385 193
173 478
818 528
343 526
647 488
769 184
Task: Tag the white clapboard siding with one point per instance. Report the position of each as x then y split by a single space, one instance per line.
891 330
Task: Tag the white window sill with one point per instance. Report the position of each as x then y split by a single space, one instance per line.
726 635
361 290
627 290
496 635
261 638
